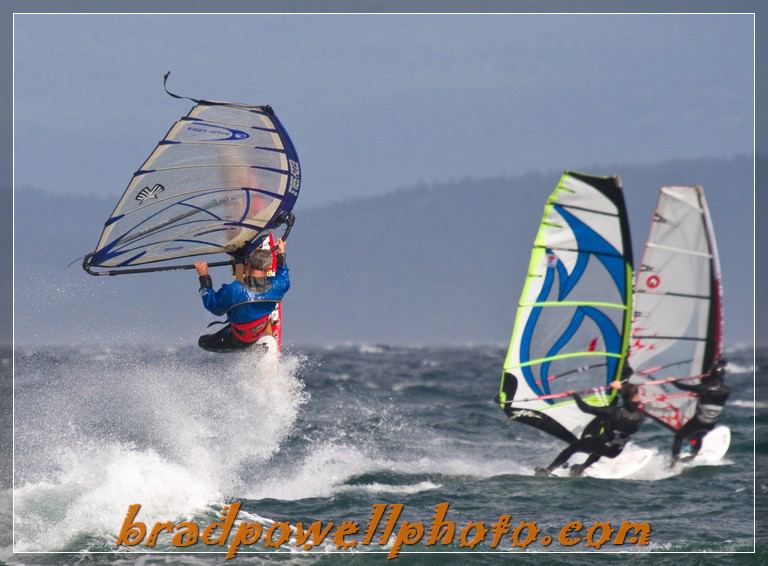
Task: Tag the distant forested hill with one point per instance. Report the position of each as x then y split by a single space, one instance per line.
6 263
427 264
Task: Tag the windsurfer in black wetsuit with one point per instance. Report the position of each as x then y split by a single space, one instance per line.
712 393
607 434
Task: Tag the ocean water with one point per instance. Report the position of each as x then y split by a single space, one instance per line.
327 433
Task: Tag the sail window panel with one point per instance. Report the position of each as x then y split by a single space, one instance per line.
212 155
187 131
232 114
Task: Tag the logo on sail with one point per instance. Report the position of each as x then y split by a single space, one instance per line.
551 259
224 133
653 281
295 170
524 413
147 193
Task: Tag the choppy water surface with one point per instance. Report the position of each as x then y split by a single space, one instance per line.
326 434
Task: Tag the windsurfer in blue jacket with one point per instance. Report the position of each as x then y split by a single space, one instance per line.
247 304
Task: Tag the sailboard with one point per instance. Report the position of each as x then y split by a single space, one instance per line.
571 329
677 325
221 178
714 446
631 461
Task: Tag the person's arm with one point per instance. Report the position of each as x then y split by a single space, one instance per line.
282 281
280 245
204 277
685 386
591 409
216 303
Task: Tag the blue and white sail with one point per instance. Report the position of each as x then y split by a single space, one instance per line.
222 177
572 324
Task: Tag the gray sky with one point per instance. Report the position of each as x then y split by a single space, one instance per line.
374 102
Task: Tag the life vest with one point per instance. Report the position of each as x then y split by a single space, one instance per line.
250 332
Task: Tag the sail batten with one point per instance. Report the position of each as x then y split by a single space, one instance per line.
678 250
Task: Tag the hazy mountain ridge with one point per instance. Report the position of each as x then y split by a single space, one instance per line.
6 264
428 264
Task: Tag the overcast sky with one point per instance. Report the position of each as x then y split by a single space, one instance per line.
375 102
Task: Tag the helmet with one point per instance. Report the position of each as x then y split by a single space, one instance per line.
260 259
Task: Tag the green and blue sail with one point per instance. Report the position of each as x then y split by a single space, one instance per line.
571 331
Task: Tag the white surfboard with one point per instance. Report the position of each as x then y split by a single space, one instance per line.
268 345
629 462
713 447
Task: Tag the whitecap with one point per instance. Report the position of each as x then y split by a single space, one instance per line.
407 489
